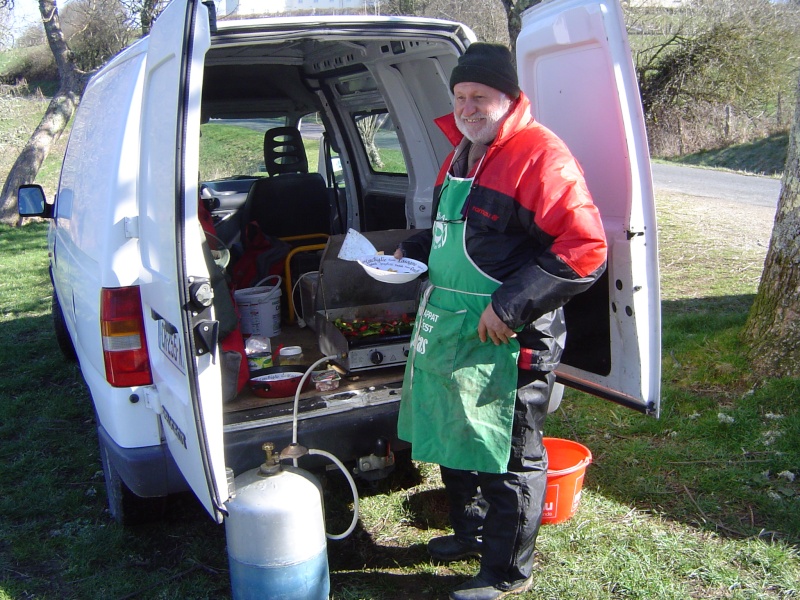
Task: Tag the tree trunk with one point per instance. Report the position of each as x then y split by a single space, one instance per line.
147 15
773 326
514 10
55 119
368 127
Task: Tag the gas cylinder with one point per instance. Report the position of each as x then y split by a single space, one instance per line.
275 532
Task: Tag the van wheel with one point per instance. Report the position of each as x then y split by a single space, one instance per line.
62 333
126 507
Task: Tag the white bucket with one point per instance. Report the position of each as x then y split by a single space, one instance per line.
260 308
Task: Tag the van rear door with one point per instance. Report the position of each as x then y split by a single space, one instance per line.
575 65
187 394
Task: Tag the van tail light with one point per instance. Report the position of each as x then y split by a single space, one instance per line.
124 342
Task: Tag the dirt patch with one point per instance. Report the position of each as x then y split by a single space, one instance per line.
711 247
723 221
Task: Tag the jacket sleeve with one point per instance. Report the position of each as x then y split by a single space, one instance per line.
418 246
553 204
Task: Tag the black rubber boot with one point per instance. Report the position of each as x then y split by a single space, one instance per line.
479 588
448 548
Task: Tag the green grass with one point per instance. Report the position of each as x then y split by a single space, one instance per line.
698 504
764 157
34 64
393 161
19 116
8 58
229 150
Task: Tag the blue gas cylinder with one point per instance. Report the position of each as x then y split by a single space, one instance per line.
275 532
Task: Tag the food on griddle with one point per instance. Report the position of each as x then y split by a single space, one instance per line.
360 328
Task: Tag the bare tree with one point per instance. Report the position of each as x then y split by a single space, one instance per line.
142 13
772 330
713 72
485 17
368 127
6 36
99 31
72 82
95 30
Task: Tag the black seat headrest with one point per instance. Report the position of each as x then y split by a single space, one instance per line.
284 151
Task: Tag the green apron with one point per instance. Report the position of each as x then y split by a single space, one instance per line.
457 404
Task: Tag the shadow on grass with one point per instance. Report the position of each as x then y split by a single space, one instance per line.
766 156
393 586
388 567
723 456
729 306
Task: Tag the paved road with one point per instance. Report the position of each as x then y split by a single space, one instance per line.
707 183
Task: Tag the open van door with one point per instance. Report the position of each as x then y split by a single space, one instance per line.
575 65
187 392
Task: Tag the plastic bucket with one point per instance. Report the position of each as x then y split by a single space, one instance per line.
260 308
567 462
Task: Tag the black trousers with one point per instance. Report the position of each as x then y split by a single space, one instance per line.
505 510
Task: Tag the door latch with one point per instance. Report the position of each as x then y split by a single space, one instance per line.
206 336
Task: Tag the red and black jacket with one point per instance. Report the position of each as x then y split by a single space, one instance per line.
532 225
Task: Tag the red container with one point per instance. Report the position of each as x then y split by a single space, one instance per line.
567 462
277 382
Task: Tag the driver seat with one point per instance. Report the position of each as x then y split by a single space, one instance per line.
291 201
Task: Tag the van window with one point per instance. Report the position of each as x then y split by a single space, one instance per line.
233 147
380 142
312 130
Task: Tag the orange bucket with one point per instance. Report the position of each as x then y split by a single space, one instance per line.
567 462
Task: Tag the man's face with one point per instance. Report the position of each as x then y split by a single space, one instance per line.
479 111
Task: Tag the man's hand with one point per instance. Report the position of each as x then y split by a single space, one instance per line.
491 327
398 254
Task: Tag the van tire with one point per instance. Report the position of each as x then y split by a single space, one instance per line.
126 507
62 333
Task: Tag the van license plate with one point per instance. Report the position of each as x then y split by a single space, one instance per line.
169 342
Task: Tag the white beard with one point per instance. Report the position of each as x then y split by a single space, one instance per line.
484 130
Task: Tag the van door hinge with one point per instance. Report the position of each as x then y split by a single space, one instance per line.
206 336
630 233
131 227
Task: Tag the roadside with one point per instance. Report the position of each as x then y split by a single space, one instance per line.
693 229
714 183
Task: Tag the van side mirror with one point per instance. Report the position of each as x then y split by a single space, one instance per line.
31 202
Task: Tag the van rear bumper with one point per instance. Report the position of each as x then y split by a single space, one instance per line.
151 471
148 472
347 435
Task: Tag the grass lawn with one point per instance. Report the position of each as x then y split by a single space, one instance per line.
702 503
764 157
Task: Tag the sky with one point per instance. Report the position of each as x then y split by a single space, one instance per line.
26 12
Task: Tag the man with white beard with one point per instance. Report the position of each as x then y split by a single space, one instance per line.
515 236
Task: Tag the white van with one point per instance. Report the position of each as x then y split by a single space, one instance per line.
185 113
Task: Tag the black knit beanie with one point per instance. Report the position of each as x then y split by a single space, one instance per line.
489 64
